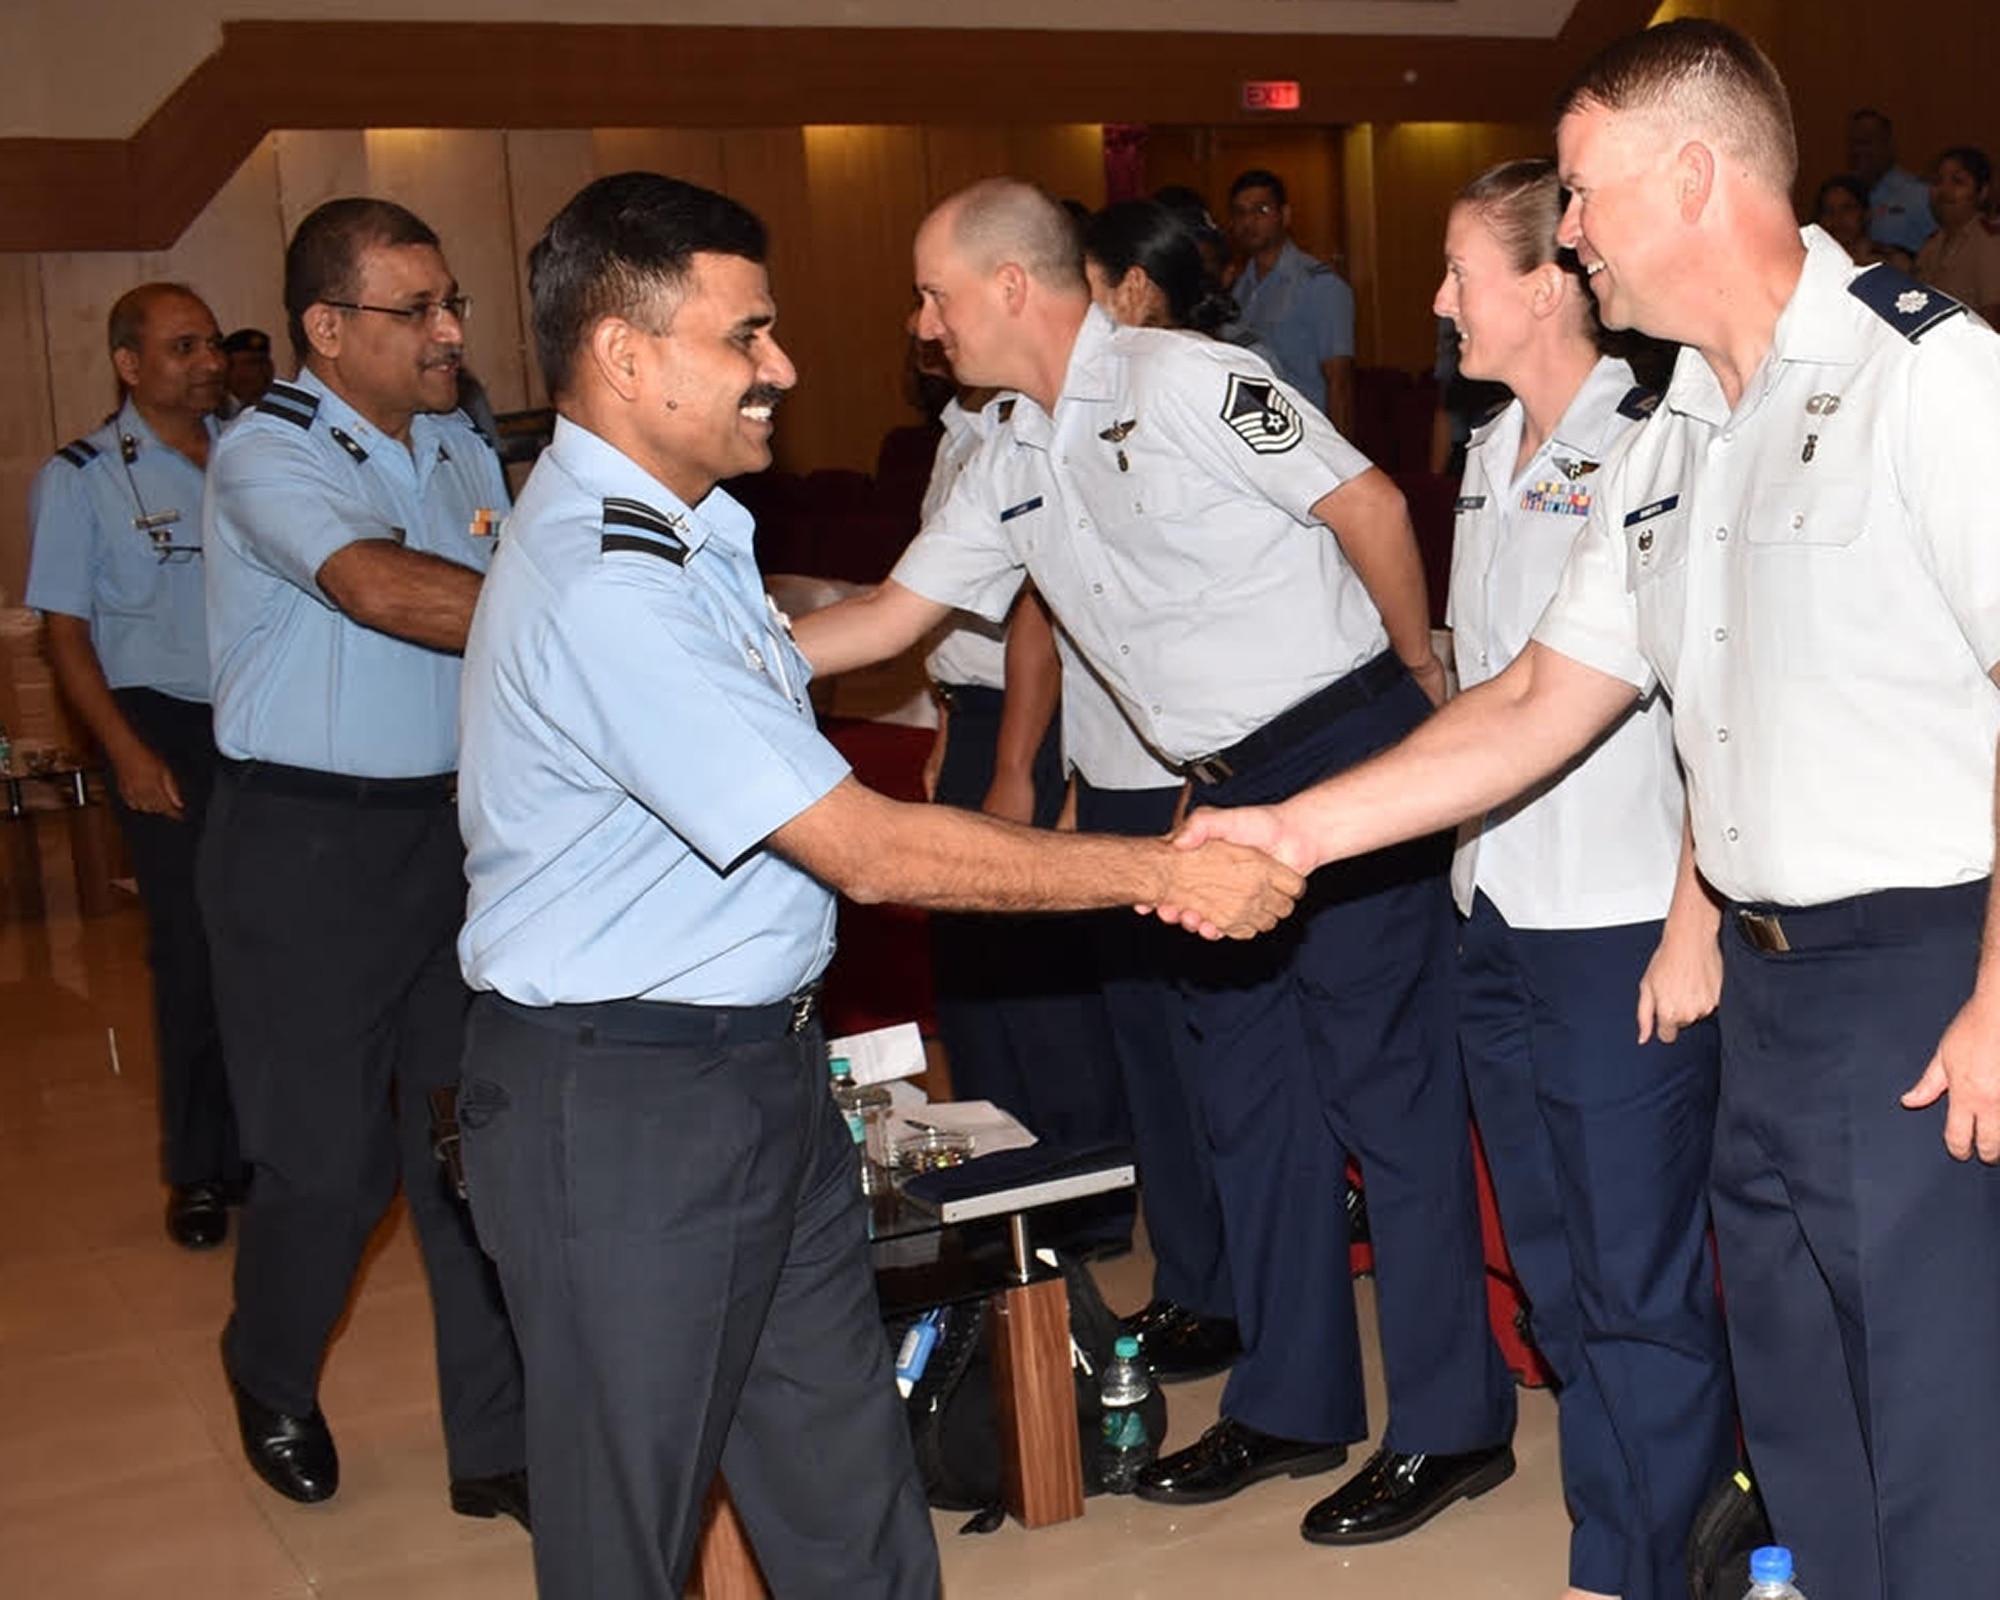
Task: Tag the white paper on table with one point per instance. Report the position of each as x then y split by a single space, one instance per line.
881 1054
991 1128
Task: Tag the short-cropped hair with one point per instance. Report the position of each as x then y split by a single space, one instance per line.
624 247
1003 219
323 261
1259 178
1707 77
1970 157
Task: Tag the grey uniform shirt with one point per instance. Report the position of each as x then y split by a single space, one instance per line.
1164 511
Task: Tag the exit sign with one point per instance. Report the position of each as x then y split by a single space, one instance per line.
1275 94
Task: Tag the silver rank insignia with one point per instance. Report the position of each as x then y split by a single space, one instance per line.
1116 434
1911 301
753 655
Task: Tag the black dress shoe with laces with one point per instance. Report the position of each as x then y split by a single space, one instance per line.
198 1215
1180 1344
505 1494
1229 1457
294 1455
1395 1494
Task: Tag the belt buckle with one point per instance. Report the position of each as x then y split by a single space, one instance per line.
804 1004
1210 769
1763 932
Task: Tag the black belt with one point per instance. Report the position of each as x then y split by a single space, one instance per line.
666 1022
968 696
304 783
1369 681
1779 930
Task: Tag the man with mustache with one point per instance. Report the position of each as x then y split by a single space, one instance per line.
116 572
350 516
654 832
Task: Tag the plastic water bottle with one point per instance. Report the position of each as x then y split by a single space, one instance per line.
1771 1575
1124 1450
866 1108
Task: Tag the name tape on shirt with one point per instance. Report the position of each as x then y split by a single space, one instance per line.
1469 502
1022 509
1646 513
1260 416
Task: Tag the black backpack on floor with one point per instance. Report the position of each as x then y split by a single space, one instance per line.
1730 1524
954 1419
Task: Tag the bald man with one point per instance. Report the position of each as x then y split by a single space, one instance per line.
1247 587
116 572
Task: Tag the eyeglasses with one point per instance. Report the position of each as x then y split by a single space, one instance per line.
457 306
1258 208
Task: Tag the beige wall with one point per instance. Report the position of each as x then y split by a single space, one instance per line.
842 205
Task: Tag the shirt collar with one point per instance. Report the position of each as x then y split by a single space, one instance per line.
1591 422
130 421
1092 375
427 430
591 460
1818 326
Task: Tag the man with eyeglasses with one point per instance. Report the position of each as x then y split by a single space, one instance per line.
1301 310
116 519
350 517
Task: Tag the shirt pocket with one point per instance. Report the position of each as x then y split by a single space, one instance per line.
1656 543
1813 514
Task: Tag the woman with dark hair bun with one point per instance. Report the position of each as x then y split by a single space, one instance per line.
1146 270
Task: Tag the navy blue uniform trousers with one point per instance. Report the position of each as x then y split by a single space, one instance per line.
1136 961
1334 1035
1860 1263
197 1123
333 926
1017 1008
674 1205
1599 1150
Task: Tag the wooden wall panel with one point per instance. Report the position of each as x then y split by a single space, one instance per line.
544 169
1208 159
314 167
27 433
765 168
233 255
868 192
693 155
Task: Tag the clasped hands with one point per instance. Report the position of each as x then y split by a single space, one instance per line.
1233 873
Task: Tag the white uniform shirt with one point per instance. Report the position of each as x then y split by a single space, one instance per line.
1097 742
1815 578
1598 845
969 649
1164 512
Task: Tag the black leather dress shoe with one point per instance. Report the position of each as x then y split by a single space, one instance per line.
1229 1457
1180 1344
198 1215
294 1455
505 1494
1395 1494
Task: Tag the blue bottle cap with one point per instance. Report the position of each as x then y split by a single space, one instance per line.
1126 1348
1772 1564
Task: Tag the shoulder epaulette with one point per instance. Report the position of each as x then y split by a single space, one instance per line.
1910 307
1004 412
660 533
347 442
1639 403
296 406
79 452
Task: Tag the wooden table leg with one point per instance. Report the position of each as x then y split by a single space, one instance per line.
1036 1399
725 1567
21 895
94 849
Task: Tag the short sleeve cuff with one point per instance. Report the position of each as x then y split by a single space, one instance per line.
932 568
1606 649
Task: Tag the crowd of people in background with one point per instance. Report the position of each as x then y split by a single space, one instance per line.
1173 617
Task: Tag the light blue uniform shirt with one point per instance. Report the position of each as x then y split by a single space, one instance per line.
139 588
1899 210
1165 514
636 725
1302 312
297 681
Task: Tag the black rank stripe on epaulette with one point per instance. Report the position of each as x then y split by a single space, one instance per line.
1639 403
659 534
346 442
296 406
79 452
1910 307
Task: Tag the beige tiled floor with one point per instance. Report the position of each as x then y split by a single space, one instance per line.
119 1470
